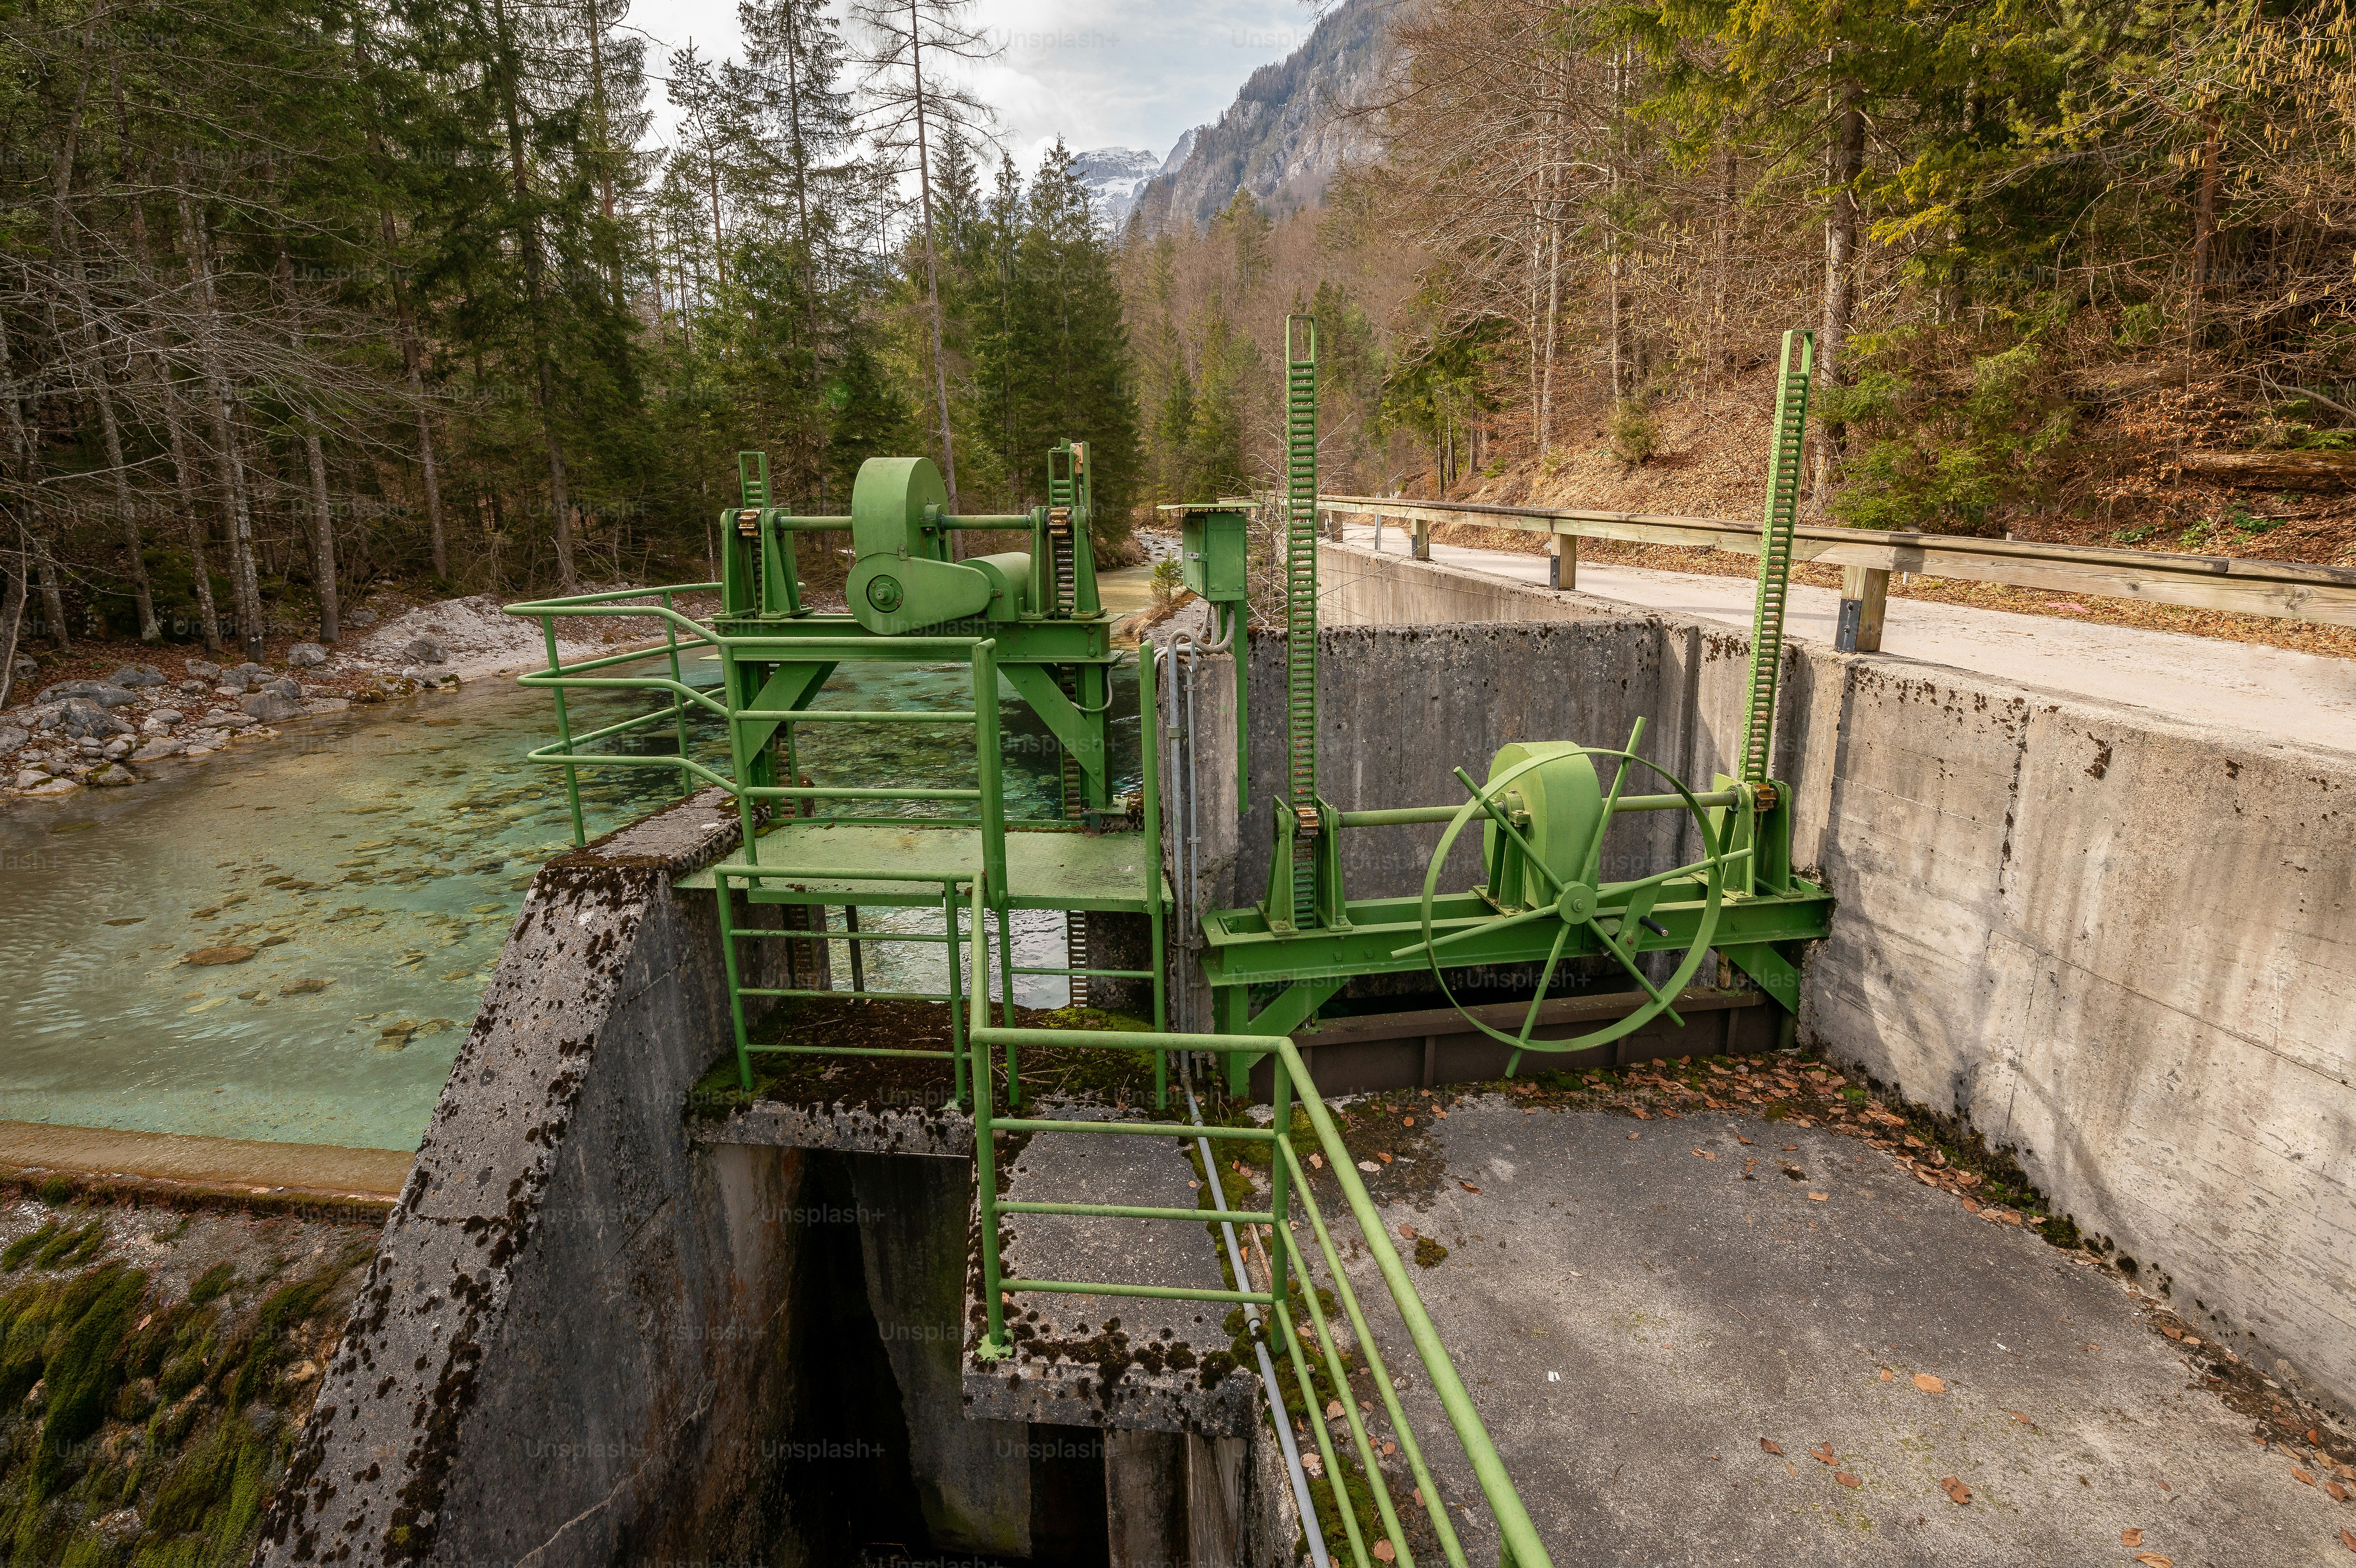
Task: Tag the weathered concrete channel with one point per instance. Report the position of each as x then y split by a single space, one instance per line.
602 1328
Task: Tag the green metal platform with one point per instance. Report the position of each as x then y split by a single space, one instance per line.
1044 870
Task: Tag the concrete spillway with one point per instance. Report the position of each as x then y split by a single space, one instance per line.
604 1324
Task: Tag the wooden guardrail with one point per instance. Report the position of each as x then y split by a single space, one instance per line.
2282 589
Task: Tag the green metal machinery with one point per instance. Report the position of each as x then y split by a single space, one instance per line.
1546 811
1031 618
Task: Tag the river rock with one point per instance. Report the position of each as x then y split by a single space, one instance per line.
81 719
32 778
11 738
303 987
222 719
55 787
113 775
270 704
136 675
306 656
119 746
27 668
250 668
362 617
97 691
203 670
423 650
231 954
161 746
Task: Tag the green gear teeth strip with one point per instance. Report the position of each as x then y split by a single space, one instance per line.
1775 552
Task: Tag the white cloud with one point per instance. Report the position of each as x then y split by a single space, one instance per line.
1100 73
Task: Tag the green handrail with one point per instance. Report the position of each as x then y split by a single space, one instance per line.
1519 1534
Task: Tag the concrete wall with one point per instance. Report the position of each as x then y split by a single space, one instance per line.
2117 943
558 1350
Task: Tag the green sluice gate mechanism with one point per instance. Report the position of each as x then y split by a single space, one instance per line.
1546 812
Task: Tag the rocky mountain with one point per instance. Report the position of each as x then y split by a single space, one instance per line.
1281 139
1113 177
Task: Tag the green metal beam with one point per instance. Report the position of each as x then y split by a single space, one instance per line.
1241 951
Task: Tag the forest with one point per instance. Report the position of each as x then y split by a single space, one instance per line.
298 299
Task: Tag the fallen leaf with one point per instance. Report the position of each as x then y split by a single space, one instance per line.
2026 1422
1368 1165
1419 1497
1824 1451
1887 1374
1704 1154
1789 1469
1962 1493
1405 1121
1740 1139
1441 1115
1791 1148
2131 1538
2173 1333
1767 1445
1846 1479
2155 1560
1632 1136
2338 1493
2347 1539
1316 1162
1928 1384
1381 1155
1470 1187
2298 1475
1818 1196
1383 1551
1641 1114
1408 1232
1333 1410
2313 1436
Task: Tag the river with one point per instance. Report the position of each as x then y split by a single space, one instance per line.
374 860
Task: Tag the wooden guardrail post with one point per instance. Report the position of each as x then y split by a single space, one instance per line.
1562 561
1865 601
1422 539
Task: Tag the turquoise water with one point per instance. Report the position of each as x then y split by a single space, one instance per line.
375 861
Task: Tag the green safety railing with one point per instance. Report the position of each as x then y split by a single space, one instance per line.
987 796
1284 1258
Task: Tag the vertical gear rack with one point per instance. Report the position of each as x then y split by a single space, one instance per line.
1783 512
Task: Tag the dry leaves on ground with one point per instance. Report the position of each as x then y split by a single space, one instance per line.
1823 1453
2347 1539
1470 1187
2301 1476
2155 1560
1960 1492
1846 1479
1767 1445
1333 1410
1928 1384
1384 1553
2131 1538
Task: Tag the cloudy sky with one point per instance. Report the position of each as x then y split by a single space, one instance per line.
1100 73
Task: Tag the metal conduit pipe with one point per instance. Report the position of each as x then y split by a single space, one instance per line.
1266 1367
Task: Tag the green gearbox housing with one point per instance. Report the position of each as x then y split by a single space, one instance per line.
905 577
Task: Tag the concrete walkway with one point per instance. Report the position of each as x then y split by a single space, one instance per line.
1631 1320
2245 686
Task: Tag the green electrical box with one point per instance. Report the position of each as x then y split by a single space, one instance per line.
1211 545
